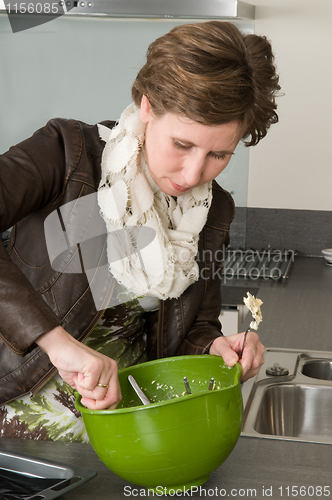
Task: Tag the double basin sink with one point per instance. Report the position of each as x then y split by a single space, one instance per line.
291 397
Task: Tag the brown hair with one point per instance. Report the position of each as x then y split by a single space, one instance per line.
212 73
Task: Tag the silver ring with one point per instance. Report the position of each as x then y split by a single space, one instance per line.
103 385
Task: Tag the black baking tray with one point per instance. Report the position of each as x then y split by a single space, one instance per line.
31 478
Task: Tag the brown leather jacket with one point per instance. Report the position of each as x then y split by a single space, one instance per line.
58 164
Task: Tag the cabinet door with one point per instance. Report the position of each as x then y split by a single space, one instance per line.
231 318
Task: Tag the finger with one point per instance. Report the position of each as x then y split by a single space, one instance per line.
98 393
253 370
101 391
88 380
252 358
248 356
103 397
221 347
248 375
230 357
98 370
110 400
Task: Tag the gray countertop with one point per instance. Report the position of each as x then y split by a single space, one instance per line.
297 314
254 466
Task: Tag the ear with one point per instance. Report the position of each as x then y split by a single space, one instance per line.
145 109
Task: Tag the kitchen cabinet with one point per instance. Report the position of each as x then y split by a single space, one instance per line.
231 317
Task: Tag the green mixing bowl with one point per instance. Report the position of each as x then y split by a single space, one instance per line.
179 439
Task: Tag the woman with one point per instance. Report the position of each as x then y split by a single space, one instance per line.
203 88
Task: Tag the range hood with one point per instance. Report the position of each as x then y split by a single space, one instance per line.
188 9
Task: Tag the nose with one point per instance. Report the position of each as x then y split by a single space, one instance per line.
193 169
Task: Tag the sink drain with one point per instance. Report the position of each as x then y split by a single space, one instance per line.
276 370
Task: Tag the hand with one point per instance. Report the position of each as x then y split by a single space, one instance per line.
83 369
230 347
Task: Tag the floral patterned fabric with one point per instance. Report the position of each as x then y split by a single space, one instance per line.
51 414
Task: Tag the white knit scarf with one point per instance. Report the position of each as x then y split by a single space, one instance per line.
129 199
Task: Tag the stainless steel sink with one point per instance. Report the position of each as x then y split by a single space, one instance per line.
291 397
318 368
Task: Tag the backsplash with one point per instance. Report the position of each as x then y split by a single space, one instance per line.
306 232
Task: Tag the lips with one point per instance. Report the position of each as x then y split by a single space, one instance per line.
175 186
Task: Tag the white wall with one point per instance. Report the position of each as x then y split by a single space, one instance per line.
292 167
72 67
76 68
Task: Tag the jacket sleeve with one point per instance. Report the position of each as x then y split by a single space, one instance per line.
205 328
33 175
205 306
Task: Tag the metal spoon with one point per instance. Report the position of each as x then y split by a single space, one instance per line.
187 386
211 384
138 390
244 343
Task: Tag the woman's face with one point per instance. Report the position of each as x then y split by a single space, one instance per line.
183 154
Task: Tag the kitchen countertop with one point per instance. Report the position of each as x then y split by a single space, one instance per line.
297 313
254 466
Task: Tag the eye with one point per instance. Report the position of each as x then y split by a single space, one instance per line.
181 146
217 157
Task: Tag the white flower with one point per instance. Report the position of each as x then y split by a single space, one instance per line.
254 307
